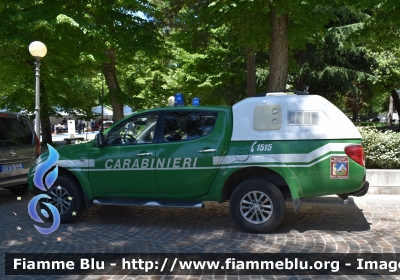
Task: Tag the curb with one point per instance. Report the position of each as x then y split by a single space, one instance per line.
383 181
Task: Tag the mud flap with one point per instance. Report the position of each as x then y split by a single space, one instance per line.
297 205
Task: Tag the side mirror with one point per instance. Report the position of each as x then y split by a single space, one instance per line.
99 139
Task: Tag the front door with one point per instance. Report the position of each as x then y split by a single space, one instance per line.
186 151
125 165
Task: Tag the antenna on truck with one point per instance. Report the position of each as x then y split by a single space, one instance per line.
304 92
297 92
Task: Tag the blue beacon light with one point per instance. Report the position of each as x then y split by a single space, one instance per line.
179 99
196 101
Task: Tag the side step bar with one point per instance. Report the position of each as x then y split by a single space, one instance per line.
156 203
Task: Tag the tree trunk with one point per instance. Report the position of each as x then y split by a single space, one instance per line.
45 125
278 53
251 72
396 103
390 113
110 76
355 115
46 131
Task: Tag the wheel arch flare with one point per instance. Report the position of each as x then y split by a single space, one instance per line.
79 170
271 169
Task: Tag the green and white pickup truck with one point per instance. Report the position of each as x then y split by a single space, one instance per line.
255 154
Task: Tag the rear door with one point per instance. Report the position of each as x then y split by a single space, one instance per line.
17 147
185 154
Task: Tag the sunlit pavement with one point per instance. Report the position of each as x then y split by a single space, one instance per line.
324 225
58 139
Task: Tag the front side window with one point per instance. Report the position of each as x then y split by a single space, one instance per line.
136 130
187 125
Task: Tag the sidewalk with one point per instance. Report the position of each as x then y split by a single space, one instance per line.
58 139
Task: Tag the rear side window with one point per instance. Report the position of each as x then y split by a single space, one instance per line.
14 132
187 125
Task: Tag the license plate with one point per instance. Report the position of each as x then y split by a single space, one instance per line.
11 167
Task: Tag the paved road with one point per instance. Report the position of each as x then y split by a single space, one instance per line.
368 224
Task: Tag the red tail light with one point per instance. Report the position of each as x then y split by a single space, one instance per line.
38 148
356 153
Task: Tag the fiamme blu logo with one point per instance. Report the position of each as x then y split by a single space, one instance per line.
44 180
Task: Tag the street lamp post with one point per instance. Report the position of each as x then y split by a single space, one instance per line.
38 50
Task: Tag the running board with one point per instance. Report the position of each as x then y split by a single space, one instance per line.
150 203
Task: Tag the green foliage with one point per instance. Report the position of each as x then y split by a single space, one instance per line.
388 75
218 76
248 21
208 44
382 149
117 32
76 34
341 70
333 65
203 55
65 70
388 68
145 81
381 36
381 31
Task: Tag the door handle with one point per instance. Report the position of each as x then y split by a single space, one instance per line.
144 154
207 151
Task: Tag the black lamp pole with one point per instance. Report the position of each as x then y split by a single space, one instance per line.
102 106
38 50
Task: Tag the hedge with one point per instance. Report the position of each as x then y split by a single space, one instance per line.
382 149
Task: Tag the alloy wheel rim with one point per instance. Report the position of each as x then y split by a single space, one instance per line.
59 197
256 207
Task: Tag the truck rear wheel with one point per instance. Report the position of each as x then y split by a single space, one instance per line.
257 205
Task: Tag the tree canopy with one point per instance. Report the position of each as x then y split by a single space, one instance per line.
220 51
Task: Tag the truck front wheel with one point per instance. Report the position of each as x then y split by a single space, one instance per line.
257 205
67 197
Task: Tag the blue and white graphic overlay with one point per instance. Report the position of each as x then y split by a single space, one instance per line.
44 182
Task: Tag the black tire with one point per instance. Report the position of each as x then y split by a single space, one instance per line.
62 190
19 190
265 204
